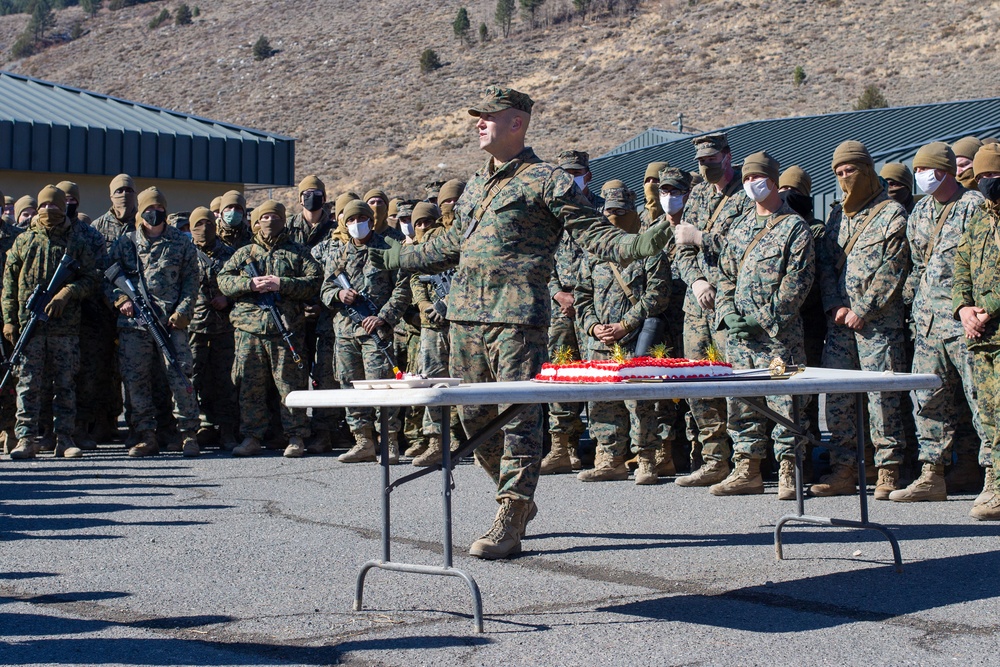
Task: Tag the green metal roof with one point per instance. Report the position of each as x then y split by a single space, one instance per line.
54 128
891 135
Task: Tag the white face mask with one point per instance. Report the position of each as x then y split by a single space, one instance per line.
406 228
672 203
928 181
359 229
757 190
579 182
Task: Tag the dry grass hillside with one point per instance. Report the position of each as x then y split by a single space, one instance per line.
346 82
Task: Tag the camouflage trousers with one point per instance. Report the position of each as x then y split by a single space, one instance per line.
618 427
359 359
670 413
986 373
139 356
263 362
746 426
707 416
502 353
434 353
563 334
324 375
877 347
943 418
213 357
47 367
413 418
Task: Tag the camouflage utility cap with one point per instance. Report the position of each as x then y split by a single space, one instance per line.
710 144
675 178
617 195
574 160
498 99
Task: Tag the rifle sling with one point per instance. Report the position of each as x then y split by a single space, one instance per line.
623 284
484 204
872 213
942 216
768 226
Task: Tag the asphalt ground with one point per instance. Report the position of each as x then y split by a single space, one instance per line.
220 561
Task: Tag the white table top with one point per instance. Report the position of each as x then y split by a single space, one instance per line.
811 381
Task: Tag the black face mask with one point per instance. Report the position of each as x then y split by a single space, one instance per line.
799 202
312 201
990 187
71 210
154 218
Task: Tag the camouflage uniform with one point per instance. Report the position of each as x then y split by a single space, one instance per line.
110 226
212 339
976 282
169 268
8 233
770 285
563 333
601 300
434 348
499 305
261 354
357 356
870 283
234 237
324 368
302 232
938 344
707 417
52 356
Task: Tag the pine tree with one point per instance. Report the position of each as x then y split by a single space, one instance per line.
183 15
530 7
504 15
461 25
262 48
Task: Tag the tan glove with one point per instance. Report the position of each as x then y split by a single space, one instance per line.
687 234
57 304
179 321
10 333
704 293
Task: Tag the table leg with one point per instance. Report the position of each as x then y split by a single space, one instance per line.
446 486
800 516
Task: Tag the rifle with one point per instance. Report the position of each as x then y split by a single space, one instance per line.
650 334
268 301
358 312
147 319
37 302
442 286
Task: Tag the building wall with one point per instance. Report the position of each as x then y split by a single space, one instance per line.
94 195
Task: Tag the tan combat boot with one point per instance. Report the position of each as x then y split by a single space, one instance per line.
416 448
929 486
189 444
665 460
888 481
249 447
296 449
364 449
393 449
557 461
9 440
786 479
711 472
744 480
988 511
26 449
66 448
842 481
504 538
989 488
432 455
146 446
645 472
82 437
606 468
965 476
320 442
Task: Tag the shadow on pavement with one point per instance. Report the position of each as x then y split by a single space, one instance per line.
830 600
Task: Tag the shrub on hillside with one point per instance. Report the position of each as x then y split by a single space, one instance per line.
183 15
871 98
429 61
484 33
798 75
262 48
23 46
159 19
